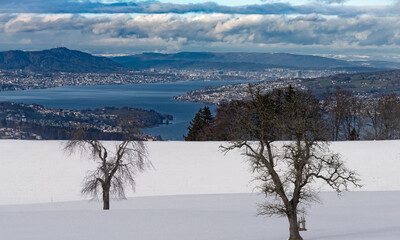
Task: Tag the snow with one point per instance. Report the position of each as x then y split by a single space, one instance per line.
40 171
193 192
357 215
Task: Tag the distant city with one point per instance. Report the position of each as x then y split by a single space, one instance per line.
365 86
14 80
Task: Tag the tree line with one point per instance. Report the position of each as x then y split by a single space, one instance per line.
347 117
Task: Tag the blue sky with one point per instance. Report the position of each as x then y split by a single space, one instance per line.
351 29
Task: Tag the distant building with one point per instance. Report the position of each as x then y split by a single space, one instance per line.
299 74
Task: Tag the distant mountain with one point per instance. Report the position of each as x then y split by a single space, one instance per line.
56 60
65 60
240 61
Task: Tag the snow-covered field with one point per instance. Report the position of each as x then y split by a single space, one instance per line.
193 192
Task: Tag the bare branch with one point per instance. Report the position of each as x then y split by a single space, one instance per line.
115 169
287 170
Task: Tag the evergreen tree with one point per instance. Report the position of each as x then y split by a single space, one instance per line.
201 120
206 116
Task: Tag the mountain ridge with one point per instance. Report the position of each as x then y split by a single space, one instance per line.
243 61
59 59
62 59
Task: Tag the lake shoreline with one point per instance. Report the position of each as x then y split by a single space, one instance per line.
149 96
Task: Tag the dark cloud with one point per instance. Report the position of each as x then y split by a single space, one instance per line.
70 6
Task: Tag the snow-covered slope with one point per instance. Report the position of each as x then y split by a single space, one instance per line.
40 171
201 178
355 216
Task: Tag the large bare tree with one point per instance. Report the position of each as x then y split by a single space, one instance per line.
118 163
287 170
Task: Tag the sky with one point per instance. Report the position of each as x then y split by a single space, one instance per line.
346 29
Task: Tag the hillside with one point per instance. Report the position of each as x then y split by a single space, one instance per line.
354 216
33 121
370 83
65 60
179 168
240 61
366 84
56 60
207 196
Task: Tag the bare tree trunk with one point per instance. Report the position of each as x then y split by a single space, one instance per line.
106 197
294 228
336 132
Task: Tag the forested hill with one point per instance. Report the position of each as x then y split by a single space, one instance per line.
57 60
65 60
242 61
371 83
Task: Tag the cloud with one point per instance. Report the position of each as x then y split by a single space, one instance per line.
150 7
25 41
126 33
230 29
317 27
50 22
332 1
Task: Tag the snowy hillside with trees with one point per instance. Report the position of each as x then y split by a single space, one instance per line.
194 191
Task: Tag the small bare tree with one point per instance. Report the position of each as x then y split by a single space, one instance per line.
287 170
116 168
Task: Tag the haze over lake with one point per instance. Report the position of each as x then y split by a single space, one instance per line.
156 96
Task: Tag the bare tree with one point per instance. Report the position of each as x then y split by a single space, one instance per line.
287 170
384 117
370 109
222 128
345 116
388 117
117 165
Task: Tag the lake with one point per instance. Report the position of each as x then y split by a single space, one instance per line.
156 96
